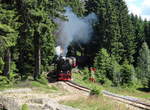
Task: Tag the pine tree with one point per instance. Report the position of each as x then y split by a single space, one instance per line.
8 33
76 5
36 34
126 32
138 28
147 32
144 64
107 31
116 72
127 74
103 64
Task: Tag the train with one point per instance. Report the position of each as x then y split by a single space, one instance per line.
63 66
62 69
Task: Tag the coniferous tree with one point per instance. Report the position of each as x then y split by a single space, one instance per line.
8 33
127 74
36 34
147 32
126 32
138 29
144 64
76 5
103 64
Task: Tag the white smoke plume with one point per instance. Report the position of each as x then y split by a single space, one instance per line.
74 29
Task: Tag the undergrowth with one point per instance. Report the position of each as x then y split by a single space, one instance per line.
40 84
130 91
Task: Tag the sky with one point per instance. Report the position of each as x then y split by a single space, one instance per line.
139 7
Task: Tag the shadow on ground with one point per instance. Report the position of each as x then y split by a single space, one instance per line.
144 89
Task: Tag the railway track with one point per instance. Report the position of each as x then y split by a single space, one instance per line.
125 99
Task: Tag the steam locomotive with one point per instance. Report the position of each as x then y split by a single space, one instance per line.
62 69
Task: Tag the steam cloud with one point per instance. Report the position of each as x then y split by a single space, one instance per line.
74 29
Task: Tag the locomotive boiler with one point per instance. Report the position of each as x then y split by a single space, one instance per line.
62 69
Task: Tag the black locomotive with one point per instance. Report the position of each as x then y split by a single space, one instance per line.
62 69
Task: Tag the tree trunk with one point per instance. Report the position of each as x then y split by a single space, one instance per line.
37 53
7 60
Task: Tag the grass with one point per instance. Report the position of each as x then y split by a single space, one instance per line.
79 79
39 85
100 103
123 91
129 91
103 103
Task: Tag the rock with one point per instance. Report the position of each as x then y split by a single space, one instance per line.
49 104
14 99
9 103
64 107
24 90
34 106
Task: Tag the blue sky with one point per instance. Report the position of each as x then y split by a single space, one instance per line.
139 7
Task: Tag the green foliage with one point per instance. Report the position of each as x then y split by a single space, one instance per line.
1 64
8 26
27 34
13 78
95 91
144 65
76 5
114 29
127 74
138 30
9 80
109 71
43 79
85 72
147 32
25 107
116 70
103 64
4 80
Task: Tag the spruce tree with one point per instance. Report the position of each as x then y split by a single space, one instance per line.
36 35
126 32
8 33
147 32
138 29
144 64
107 31
127 74
102 62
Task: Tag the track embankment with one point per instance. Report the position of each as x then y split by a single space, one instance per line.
124 99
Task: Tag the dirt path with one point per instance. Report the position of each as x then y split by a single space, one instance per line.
71 93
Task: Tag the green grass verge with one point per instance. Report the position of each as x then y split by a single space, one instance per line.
123 91
100 103
129 91
39 85
78 78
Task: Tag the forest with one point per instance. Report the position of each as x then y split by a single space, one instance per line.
118 49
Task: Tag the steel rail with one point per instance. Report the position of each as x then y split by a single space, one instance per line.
125 99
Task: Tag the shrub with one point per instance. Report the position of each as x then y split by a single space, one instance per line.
43 79
95 91
25 107
143 67
4 80
127 74
102 63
